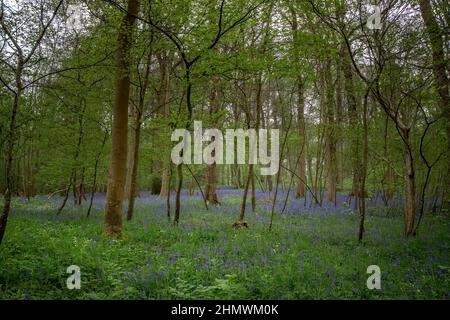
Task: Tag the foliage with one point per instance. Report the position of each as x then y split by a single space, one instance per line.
311 254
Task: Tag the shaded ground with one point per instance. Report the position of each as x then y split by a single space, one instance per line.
311 253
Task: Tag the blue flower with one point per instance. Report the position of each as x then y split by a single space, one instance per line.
173 257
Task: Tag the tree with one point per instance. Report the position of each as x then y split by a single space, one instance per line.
138 109
435 35
23 55
117 171
210 188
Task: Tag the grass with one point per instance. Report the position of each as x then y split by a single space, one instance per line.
311 253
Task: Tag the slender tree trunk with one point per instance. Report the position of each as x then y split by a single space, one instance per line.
163 101
134 167
164 182
77 188
330 143
252 182
362 198
210 189
302 135
301 169
410 189
94 187
117 171
244 197
339 121
81 187
74 187
259 85
191 186
138 111
178 194
237 175
130 157
66 195
168 192
187 78
388 178
246 109
353 121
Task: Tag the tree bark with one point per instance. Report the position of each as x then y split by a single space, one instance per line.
130 157
259 85
210 188
302 135
163 102
301 169
134 167
117 171
339 122
178 194
388 177
330 143
244 197
80 189
353 121
362 183
410 189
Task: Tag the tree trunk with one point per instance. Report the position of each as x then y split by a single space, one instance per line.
330 143
339 121
130 157
178 194
134 167
259 84
80 189
237 175
252 182
353 121
388 177
210 189
244 197
137 112
117 170
301 171
163 101
164 182
410 189
362 184
302 136
168 192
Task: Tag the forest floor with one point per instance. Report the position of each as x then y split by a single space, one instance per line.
311 252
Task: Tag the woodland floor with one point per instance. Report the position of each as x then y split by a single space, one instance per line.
311 253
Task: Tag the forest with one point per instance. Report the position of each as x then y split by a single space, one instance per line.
224 149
